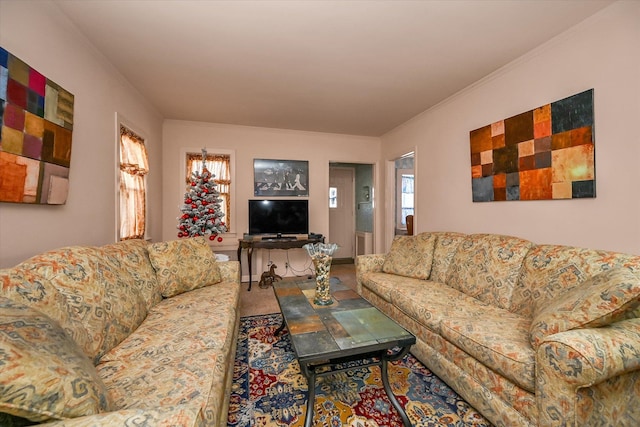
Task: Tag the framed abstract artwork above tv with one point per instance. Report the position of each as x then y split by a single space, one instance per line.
543 154
36 116
284 178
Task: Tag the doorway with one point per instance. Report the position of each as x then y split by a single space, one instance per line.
341 211
351 209
401 184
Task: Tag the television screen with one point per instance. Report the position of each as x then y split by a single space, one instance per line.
278 217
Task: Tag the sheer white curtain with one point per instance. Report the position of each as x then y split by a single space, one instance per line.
134 166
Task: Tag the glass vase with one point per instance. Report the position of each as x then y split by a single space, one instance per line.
321 255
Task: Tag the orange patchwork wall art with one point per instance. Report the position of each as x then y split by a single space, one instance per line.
545 153
36 116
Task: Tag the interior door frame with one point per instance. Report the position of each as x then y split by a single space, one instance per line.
390 196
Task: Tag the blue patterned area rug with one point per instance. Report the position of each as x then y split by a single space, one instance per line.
270 391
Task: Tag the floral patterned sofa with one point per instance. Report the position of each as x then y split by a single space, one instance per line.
528 334
124 334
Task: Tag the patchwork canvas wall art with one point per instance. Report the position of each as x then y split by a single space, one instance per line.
542 154
36 115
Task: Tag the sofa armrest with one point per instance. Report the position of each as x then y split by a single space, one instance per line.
578 359
170 416
230 271
366 264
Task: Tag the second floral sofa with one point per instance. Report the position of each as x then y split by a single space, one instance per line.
528 334
124 334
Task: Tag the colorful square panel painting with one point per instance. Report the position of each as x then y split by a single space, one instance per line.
546 153
36 116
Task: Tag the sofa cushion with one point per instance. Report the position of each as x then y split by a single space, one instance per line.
446 246
203 318
132 258
410 256
101 308
184 265
122 303
151 382
44 374
429 304
189 338
184 415
383 284
487 267
605 298
497 338
549 270
24 285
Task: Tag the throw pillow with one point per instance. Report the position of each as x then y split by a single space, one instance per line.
44 375
411 256
603 299
184 265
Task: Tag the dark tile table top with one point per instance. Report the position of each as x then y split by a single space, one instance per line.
349 326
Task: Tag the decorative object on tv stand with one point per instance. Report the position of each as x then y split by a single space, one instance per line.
545 153
321 255
201 213
280 178
36 117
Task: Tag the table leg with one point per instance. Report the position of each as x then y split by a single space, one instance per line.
249 256
240 258
280 328
391 396
311 395
309 371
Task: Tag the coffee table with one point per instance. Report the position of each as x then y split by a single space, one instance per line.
326 337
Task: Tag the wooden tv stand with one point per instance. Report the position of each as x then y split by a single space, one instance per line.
251 244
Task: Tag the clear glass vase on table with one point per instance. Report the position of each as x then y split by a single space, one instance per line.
321 254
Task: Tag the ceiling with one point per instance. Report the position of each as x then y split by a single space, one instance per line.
352 67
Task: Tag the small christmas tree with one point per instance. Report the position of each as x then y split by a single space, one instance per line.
201 213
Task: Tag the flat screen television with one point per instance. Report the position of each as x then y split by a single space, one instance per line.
278 217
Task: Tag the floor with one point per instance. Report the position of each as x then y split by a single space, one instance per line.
263 301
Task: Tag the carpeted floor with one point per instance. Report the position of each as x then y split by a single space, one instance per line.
270 391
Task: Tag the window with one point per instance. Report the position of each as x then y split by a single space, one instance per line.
220 166
406 206
134 167
333 197
405 196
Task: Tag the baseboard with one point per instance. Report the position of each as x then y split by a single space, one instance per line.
342 261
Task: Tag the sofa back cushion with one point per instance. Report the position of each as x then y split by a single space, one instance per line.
44 375
102 307
25 285
605 298
184 265
122 273
132 259
487 267
411 256
549 270
446 246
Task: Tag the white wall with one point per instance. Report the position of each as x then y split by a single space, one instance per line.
40 35
257 143
602 53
